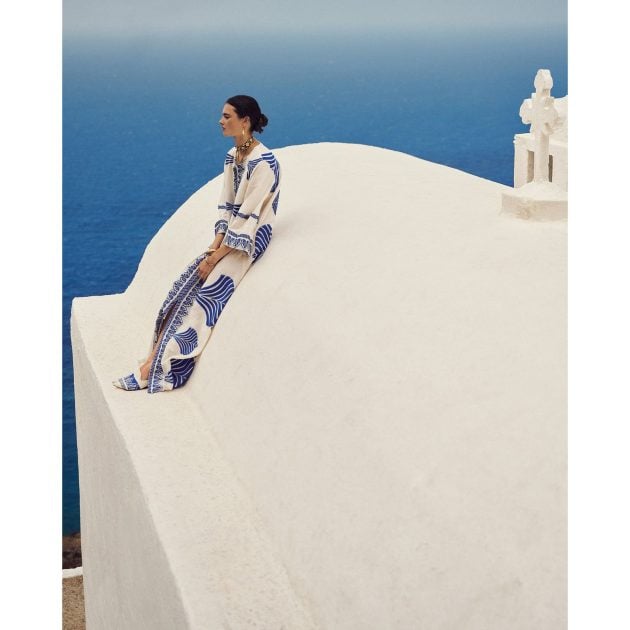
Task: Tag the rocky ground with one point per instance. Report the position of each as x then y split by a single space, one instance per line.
71 547
73 609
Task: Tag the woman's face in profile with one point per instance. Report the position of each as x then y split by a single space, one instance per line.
231 124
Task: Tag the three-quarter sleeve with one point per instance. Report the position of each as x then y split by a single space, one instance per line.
224 214
261 187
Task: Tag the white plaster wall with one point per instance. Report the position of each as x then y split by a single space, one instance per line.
375 435
169 539
523 166
558 148
122 553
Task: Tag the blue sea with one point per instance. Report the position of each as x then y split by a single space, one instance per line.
140 130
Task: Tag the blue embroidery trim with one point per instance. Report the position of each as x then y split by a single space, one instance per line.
233 207
129 383
214 297
172 297
220 226
251 165
238 171
229 159
238 241
273 165
246 216
182 299
274 203
263 236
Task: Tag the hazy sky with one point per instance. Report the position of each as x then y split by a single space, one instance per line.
167 16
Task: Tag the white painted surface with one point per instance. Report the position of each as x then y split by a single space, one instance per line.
540 157
375 436
524 147
68 573
537 201
541 114
524 164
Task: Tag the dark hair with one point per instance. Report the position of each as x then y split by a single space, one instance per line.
248 106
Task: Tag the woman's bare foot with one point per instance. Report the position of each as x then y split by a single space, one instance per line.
144 370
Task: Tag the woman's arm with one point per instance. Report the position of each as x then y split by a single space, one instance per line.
207 264
218 239
213 257
242 228
220 251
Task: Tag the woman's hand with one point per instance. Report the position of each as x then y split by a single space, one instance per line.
205 267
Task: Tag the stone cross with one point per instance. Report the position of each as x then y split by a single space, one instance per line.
540 112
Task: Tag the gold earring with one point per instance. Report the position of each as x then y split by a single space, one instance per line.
243 131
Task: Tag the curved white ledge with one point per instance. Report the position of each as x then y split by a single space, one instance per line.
374 436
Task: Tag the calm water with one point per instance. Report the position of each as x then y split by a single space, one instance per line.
140 131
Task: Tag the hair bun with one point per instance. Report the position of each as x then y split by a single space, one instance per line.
248 106
262 122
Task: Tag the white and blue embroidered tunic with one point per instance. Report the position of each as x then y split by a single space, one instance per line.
247 209
251 191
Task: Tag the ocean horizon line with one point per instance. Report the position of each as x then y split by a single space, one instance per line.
342 33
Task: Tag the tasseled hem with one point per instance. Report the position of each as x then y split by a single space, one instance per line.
239 241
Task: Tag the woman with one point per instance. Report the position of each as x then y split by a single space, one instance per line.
247 208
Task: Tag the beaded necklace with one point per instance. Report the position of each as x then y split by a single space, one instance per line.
241 148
